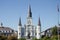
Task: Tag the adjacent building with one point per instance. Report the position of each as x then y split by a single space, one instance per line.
6 31
48 32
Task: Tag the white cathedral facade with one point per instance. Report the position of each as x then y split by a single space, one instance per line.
29 30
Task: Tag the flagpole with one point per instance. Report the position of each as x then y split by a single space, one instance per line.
58 21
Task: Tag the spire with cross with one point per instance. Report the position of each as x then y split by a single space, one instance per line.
29 11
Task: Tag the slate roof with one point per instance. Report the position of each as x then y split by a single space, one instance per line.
5 28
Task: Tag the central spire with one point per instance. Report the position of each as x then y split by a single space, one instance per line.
29 11
20 22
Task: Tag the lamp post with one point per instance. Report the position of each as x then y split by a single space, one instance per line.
58 21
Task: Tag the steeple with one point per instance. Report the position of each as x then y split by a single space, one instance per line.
20 22
39 23
29 11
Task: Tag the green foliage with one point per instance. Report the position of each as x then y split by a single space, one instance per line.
46 38
54 30
35 39
54 37
22 39
12 38
8 38
3 38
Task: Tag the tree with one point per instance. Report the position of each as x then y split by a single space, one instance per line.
54 30
3 38
22 39
46 38
12 38
55 37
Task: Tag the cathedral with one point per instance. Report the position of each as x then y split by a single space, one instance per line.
29 30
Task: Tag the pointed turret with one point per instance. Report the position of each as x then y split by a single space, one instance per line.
20 22
29 11
39 23
38 29
19 28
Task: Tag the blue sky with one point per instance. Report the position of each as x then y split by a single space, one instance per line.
11 10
